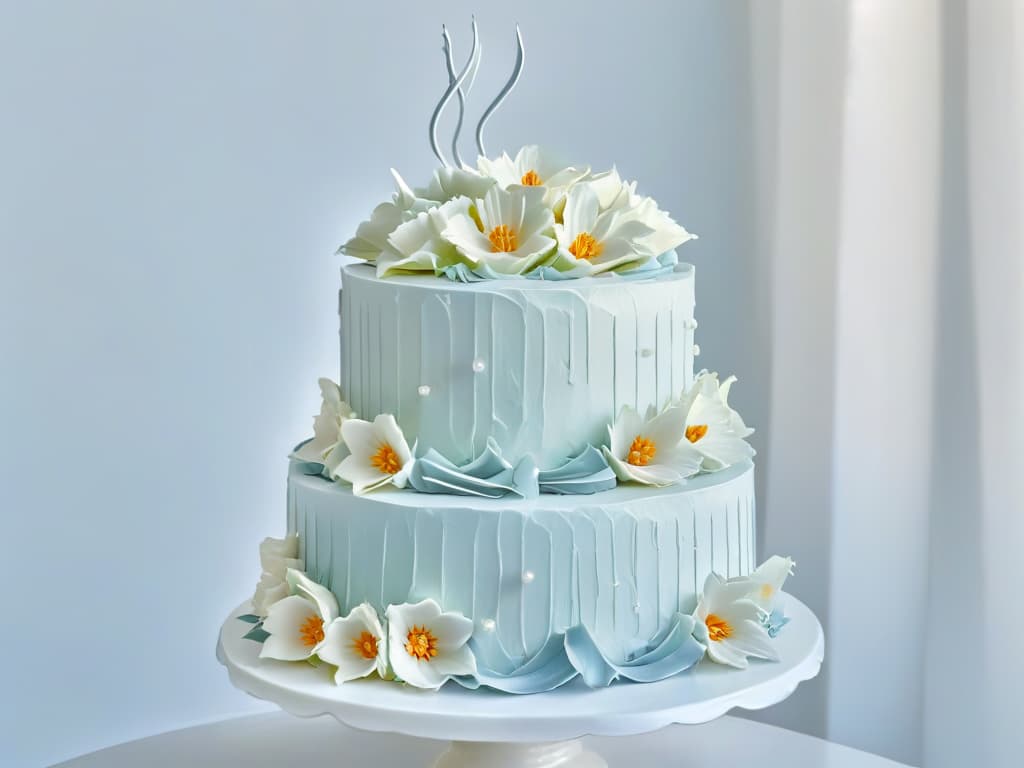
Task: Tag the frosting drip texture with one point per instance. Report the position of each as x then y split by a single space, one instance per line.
539 367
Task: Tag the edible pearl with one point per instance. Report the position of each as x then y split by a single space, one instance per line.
488 625
646 352
696 350
423 389
615 583
636 607
527 577
479 365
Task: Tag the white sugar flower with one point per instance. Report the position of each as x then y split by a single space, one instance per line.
276 557
729 623
450 183
380 455
665 234
768 579
508 231
371 237
418 245
533 167
356 645
327 447
427 647
714 430
297 623
649 450
592 242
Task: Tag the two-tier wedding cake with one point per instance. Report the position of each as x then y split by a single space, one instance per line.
519 479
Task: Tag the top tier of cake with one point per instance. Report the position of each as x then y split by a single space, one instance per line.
541 368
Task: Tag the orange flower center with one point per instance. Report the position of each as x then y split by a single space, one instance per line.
641 452
365 645
312 631
718 628
386 460
503 239
767 591
421 644
531 179
584 246
696 432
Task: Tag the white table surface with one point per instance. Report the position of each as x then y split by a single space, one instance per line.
279 740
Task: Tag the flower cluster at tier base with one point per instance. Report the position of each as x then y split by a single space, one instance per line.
531 216
696 432
423 646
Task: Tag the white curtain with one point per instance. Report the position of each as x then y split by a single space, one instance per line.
890 171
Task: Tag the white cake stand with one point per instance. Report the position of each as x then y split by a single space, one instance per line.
537 731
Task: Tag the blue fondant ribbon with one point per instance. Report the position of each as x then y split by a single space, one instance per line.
546 670
674 651
587 473
492 476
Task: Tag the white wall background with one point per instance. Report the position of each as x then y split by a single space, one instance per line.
175 177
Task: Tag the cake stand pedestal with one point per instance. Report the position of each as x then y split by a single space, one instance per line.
542 730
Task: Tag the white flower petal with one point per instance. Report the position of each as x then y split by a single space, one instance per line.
580 213
453 630
455 662
283 622
723 653
324 600
341 646
768 579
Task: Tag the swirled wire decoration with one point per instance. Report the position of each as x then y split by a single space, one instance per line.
461 93
453 86
460 85
517 70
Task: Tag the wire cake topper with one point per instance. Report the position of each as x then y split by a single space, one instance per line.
460 84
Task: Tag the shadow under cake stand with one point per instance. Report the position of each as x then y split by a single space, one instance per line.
541 730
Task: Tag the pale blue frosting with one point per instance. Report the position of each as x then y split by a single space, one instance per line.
668 654
541 367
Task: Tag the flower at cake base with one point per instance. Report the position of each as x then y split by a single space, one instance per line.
326 447
648 450
714 431
417 245
590 242
507 232
356 645
297 624
276 557
427 647
729 624
380 455
533 167
768 579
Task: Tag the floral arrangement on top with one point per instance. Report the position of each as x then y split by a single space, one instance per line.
532 216
528 216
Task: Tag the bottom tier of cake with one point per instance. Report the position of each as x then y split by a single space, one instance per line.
622 564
